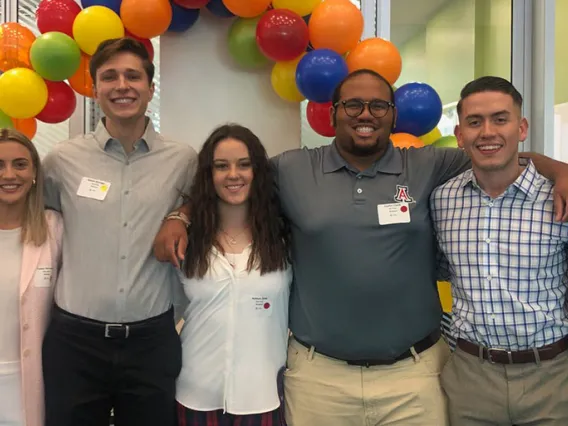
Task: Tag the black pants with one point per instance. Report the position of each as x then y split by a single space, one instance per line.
132 370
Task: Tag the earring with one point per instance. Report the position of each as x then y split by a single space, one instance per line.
33 182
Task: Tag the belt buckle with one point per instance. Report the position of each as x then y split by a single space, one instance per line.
109 328
508 352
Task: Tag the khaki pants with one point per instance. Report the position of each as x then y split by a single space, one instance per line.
484 394
322 391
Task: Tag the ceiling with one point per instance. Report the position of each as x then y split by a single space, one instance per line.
409 17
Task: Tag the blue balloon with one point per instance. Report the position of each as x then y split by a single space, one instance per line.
419 108
217 8
318 73
111 4
182 19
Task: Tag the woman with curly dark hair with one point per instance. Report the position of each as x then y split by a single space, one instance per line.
237 279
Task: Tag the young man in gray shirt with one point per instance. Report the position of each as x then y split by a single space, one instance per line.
112 341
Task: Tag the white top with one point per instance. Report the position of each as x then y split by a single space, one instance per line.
11 411
234 338
10 268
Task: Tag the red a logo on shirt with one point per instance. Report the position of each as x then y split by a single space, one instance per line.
402 195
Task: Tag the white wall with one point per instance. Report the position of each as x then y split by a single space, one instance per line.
202 88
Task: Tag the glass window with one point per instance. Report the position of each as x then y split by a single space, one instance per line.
447 43
561 81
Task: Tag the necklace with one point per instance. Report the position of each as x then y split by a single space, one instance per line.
233 240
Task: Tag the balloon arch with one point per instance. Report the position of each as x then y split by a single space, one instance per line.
310 44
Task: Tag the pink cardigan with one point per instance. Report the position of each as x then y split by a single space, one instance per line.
40 266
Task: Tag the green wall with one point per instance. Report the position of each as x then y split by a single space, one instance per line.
464 40
561 52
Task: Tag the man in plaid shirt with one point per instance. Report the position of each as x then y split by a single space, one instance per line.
506 258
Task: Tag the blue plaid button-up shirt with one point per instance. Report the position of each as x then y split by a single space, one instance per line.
506 259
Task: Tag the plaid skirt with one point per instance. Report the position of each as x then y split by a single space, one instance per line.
189 417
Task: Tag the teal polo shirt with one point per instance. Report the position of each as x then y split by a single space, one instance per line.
362 289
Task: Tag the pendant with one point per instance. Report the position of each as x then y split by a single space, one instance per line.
232 241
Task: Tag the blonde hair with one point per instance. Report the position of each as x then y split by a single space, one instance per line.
34 223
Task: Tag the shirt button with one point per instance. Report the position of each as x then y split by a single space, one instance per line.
358 177
359 190
121 290
26 327
488 240
125 224
123 257
490 204
26 353
126 192
488 277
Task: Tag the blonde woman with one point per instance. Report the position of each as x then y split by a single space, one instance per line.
30 240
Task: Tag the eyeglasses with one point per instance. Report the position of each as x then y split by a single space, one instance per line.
355 107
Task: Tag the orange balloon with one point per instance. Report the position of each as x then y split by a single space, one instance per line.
146 18
336 25
81 82
376 54
406 140
247 8
15 44
28 126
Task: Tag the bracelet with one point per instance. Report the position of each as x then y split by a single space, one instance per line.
178 216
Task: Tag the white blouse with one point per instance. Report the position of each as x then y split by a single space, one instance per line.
10 269
11 250
234 338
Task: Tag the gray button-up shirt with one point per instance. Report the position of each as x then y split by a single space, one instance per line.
363 290
109 272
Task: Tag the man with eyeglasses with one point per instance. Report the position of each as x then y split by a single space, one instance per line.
365 312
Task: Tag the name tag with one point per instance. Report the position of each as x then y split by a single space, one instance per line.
393 213
262 306
93 188
42 277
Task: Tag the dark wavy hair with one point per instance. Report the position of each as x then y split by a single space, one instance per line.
270 234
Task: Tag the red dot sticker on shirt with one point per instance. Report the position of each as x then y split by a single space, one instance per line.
266 305
403 209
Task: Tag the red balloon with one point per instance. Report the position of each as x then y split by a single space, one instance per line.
145 41
282 35
57 15
318 118
191 4
61 103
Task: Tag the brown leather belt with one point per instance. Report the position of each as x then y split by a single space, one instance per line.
504 356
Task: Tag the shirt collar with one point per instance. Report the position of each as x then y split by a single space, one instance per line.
103 137
389 163
526 182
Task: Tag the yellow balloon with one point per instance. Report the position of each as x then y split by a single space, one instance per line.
283 80
431 136
23 93
94 25
301 7
445 292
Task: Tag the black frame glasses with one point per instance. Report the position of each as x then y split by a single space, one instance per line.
355 107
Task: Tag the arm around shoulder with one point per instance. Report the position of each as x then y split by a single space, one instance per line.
449 163
55 237
51 185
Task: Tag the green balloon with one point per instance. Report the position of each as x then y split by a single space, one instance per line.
242 44
55 56
446 142
5 121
